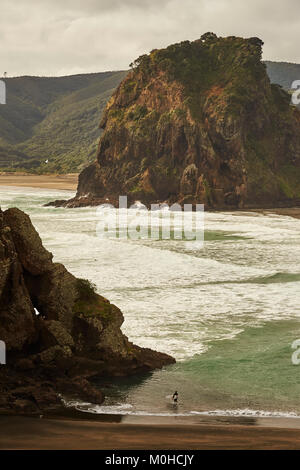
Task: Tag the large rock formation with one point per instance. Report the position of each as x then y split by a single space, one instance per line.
76 334
198 122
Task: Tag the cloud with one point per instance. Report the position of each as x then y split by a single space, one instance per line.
57 37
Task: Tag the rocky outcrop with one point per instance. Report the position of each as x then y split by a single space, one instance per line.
197 122
58 331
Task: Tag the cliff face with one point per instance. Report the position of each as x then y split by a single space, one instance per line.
75 336
198 122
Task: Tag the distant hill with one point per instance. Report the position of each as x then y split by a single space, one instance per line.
54 119
283 73
57 118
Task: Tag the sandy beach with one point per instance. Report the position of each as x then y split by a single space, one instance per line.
35 433
67 182
116 432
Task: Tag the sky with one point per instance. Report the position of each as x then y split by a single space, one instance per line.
64 37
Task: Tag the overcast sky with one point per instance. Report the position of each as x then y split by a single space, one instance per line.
62 37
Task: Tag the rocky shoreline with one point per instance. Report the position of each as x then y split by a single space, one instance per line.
90 201
58 331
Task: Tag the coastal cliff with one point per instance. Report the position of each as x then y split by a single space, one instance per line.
197 122
57 330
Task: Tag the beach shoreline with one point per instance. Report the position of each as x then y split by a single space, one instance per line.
69 182
78 430
19 432
54 181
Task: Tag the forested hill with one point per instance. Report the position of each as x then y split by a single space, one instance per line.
54 119
283 73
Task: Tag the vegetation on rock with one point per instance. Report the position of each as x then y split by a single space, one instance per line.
56 119
198 122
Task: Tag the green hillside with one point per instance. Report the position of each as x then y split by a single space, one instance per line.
54 119
283 73
57 118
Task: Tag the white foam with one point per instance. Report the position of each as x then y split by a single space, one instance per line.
248 413
128 409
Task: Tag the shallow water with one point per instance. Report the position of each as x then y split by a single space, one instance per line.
228 312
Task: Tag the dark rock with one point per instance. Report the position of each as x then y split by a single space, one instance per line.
33 256
24 364
204 109
76 336
83 389
53 293
25 406
17 326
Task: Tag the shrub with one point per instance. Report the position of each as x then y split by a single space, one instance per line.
86 290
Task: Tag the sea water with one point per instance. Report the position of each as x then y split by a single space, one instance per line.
228 312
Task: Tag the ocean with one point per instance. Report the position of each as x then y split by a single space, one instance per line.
228 311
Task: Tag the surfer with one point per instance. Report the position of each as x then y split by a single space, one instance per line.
175 397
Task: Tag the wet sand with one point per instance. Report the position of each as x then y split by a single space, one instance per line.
68 181
35 433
